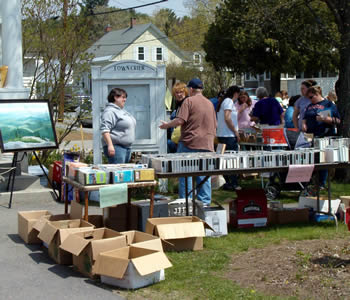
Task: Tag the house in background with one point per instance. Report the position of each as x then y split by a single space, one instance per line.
291 83
139 42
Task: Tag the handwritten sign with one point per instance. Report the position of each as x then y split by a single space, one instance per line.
299 173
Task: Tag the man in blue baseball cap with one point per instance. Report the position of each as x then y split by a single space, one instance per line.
196 84
197 119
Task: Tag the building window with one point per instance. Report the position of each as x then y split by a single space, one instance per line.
159 54
247 76
141 53
196 59
267 75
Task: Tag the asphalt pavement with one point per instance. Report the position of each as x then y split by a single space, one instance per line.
27 272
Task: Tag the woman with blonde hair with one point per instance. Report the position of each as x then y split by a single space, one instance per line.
180 93
320 118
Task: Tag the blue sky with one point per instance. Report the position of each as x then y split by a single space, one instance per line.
175 5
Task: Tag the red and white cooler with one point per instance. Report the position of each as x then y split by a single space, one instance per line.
249 209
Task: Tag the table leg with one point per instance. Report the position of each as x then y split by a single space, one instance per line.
329 193
128 214
186 196
318 190
194 195
151 205
86 214
65 189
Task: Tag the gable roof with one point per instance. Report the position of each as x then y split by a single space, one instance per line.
115 42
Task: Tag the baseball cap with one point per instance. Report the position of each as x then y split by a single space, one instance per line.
195 83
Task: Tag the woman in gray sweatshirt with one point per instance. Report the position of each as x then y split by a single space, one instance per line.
117 128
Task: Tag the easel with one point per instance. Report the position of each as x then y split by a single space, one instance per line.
12 175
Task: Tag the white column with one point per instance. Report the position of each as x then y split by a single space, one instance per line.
11 36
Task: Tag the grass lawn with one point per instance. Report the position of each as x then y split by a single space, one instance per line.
201 274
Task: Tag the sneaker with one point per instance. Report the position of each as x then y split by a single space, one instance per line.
322 188
237 188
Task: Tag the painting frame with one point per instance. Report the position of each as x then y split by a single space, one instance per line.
36 120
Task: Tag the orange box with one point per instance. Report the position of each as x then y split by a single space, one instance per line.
273 136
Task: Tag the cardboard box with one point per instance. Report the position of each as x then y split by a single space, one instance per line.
180 233
143 240
215 217
144 175
26 222
132 267
73 168
249 209
54 233
89 176
76 213
86 247
115 217
96 220
120 176
288 215
345 200
311 202
160 209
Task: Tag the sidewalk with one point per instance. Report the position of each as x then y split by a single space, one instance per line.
27 272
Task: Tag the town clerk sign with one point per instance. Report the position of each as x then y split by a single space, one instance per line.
130 68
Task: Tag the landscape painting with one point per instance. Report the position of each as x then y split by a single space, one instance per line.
26 125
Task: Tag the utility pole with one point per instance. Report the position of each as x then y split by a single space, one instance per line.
63 64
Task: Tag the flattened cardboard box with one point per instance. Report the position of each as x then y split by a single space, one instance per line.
86 246
132 267
76 212
143 240
26 225
183 233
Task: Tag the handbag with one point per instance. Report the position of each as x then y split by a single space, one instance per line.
175 136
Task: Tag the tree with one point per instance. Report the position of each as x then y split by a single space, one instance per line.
341 12
275 36
165 19
59 49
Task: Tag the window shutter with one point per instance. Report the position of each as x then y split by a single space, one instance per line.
136 49
146 53
154 54
165 54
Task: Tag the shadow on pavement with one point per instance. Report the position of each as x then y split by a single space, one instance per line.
17 239
41 258
65 271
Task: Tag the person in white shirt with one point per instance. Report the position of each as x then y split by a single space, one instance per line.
227 129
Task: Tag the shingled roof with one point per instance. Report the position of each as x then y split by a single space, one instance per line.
115 42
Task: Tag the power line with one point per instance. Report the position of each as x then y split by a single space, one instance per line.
155 39
160 7
123 9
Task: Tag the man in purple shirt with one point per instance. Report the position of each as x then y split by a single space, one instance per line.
267 110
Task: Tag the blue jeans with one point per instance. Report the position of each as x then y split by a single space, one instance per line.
231 144
204 193
323 175
122 154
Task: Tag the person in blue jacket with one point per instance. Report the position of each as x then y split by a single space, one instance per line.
288 114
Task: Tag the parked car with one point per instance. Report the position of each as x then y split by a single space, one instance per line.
251 93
